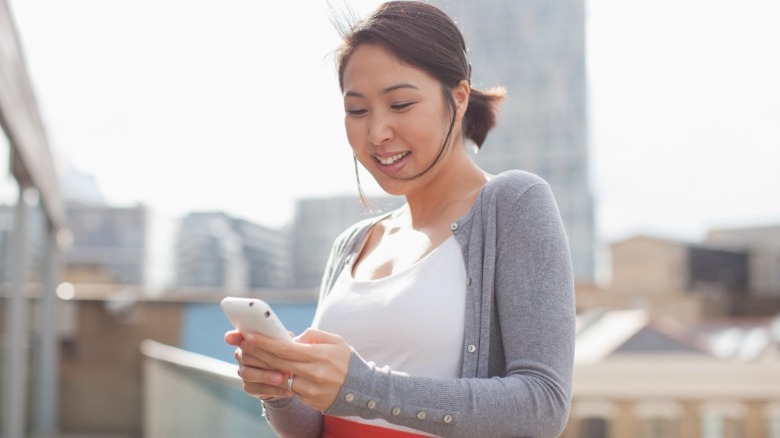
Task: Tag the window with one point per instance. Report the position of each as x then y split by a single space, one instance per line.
723 420
659 419
593 418
659 428
774 427
773 420
594 427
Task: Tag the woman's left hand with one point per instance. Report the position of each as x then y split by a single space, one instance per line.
319 360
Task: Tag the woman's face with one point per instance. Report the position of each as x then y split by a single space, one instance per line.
396 118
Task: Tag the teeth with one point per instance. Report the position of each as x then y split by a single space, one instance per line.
393 159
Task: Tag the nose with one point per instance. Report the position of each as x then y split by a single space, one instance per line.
379 130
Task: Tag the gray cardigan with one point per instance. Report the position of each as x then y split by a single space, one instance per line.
519 334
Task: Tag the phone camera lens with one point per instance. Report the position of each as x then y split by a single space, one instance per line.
267 313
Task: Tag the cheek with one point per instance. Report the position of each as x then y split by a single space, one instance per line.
355 133
357 136
423 133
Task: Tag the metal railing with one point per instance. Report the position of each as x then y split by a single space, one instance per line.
190 395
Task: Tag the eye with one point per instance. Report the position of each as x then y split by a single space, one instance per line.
401 106
356 112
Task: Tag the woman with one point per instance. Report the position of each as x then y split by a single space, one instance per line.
453 315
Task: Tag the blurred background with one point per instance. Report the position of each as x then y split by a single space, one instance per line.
158 156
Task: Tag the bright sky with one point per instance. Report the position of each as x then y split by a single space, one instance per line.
192 105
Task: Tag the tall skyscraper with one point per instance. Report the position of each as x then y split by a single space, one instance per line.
216 250
536 49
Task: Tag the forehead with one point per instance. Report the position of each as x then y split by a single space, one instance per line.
371 67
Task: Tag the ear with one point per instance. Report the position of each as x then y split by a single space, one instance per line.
461 95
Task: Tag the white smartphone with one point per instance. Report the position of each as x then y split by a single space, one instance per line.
254 315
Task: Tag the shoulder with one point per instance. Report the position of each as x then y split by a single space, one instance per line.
510 186
351 237
515 197
344 245
355 231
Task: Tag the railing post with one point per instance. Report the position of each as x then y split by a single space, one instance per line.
46 391
14 399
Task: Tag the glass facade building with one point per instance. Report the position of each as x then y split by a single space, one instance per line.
536 49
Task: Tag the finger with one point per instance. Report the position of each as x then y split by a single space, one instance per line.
234 337
262 376
244 358
318 359
262 383
265 360
254 353
266 347
319 395
328 353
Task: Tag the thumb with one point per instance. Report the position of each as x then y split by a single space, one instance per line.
233 337
314 336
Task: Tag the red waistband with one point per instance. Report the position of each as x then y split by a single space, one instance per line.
337 427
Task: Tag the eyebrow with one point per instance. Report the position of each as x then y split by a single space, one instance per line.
385 91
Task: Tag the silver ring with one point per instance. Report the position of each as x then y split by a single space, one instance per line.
290 382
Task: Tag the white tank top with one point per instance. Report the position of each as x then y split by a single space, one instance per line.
412 321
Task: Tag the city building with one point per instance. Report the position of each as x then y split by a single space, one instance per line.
108 243
215 250
689 281
317 223
763 243
640 376
34 243
536 49
81 187
108 246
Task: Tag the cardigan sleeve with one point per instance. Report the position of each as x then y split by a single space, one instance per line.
534 299
291 418
532 284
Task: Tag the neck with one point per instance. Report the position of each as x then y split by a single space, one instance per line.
449 193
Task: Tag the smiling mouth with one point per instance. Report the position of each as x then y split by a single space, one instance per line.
390 160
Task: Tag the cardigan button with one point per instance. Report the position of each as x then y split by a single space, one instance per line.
396 410
454 226
349 397
421 415
471 348
371 404
468 281
448 418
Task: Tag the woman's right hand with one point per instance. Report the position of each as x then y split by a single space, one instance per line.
260 380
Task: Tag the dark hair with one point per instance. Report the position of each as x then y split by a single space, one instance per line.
423 36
